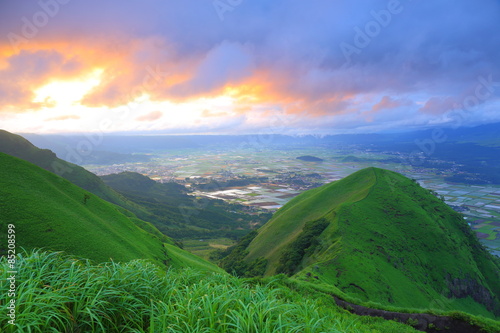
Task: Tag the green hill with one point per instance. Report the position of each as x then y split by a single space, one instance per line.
378 236
18 146
308 158
352 158
178 214
50 212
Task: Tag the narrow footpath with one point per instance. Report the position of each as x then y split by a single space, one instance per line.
423 322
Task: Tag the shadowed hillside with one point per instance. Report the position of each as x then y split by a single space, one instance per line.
18 146
178 214
50 212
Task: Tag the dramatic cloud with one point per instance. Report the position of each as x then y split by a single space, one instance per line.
325 66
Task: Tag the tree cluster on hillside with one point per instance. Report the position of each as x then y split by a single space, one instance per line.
234 263
306 242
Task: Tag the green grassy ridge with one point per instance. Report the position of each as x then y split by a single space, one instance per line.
50 212
16 145
288 222
390 242
58 293
421 243
315 289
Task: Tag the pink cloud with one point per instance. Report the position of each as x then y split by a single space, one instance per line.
389 103
439 105
152 116
68 117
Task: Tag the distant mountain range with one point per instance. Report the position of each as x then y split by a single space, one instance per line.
473 151
65 146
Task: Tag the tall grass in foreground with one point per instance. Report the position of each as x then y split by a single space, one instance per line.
56 293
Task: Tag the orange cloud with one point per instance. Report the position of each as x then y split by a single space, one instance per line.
207 113
278 88
152 116
133 68
68 117
388 103
129 70
35 66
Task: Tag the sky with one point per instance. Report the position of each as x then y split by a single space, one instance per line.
248 66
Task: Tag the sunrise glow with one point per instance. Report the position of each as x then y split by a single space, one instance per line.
67 93
315 72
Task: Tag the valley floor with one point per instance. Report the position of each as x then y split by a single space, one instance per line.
287 177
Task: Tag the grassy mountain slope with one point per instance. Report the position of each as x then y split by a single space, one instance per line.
386 240
50 212
138 297
178 214
288 222
18 146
